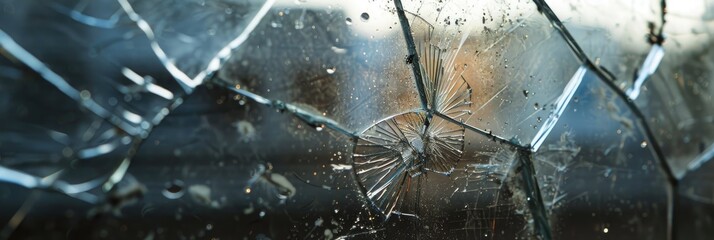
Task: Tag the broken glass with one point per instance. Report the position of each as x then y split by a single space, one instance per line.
484 44
682 85
338 120
611 34
599 159
347 63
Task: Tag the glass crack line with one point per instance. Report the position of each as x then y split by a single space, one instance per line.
208 73
500 164
353 235
490 135
7 43
121 169
544 9
214 64
143 84
118 173
702 159
390 156
535 200
430 79
446 92
78 191
446 89
660 35
77 15
609 80
311 119
50 183
413 57
19 215
398 149
519 23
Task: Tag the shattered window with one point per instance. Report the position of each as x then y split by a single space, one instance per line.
315 119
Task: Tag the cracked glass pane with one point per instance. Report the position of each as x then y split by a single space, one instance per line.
598 174
118 89
658 55
312 119
677 100
486 45
616 35
333 61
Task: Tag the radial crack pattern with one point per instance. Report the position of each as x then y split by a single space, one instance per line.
446 90
391 154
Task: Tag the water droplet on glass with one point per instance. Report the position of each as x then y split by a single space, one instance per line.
605 230
173 189
84 94
319 222
348 21
536 106
364 16
643 144
299 24
525 93
331 70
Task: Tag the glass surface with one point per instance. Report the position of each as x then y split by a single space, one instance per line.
317 119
